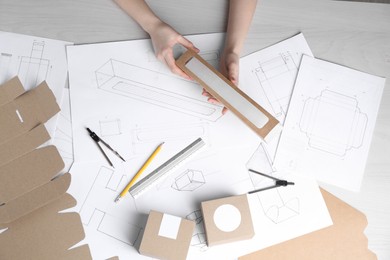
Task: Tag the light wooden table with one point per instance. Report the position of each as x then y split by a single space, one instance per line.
353 34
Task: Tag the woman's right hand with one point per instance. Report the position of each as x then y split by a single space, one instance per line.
164 37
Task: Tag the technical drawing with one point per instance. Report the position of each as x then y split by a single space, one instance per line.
63 137
5 59
189 180
99 215
143 135
275 206
34 69
110 127
156 88
199 236
271 74
333 123
260 160
273 202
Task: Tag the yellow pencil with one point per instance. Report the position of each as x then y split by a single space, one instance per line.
148 161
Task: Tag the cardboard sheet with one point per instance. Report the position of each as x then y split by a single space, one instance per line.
344 240
42 164
31 236
31 196
26 111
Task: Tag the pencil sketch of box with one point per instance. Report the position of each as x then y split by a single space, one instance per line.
167 91
333 123
189 180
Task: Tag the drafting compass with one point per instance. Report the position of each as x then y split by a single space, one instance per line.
278 182
97 139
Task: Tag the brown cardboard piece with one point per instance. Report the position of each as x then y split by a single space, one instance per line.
227 220
10 90
26 111
272 124
38 167
345 239
23 144
45 234
155 244
30 199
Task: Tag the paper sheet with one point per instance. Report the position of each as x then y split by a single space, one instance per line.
63 139
33 60
268 77
330 122
134 103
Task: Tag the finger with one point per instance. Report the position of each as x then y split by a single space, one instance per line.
213 100
233 73
186 43
173 67
224 110
205 93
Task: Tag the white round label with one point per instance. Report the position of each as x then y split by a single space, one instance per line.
227 218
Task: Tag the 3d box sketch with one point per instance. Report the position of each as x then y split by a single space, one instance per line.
189 180
168 91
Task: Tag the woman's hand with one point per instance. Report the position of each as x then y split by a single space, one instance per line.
164 37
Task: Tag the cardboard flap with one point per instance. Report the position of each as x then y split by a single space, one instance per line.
28 172
27 111
345 239
10 90
34 199
23 144
78 253
45 234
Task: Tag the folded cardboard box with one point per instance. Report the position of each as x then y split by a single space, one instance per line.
227 220
166 236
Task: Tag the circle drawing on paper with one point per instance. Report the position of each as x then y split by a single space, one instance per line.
227 218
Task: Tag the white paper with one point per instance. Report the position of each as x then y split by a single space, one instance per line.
268 77
169 226
33 60
63 139
330 122
108 85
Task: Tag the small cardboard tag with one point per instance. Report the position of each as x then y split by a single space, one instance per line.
227 220
159 246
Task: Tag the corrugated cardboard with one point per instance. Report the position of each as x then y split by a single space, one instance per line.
23 144
215 235
265 131
345 239
30 201
38 167
26 111
30 198
45 234
161 247
10 90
